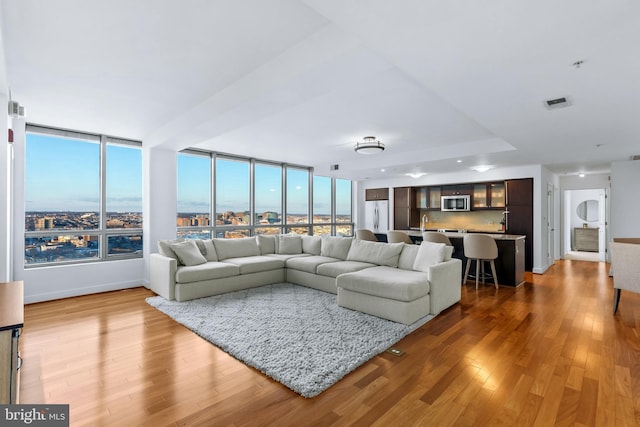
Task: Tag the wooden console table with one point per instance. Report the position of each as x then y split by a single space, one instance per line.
11 321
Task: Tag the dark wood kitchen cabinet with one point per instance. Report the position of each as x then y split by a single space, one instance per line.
376 194
488 195
405 211
519 204
457 190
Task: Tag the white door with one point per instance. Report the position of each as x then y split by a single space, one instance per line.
551 228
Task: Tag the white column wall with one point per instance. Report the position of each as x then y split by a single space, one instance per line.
625 199
160 209
5 197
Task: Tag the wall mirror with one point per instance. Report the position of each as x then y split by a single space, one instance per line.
588 210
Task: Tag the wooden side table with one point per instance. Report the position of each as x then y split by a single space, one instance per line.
11 322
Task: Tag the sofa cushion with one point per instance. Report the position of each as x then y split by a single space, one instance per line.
289 244
309 263
386 282
448 253
188 253
256 264
235 248
335 247
375 252
209 250
285 257
408 256
266 243
311 244
334 269
164 248
207 271
429 254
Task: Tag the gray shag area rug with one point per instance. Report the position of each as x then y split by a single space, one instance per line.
294 334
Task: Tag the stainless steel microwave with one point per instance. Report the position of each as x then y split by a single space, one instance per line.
455 203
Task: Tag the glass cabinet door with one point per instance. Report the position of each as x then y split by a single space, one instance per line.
497 194
480 196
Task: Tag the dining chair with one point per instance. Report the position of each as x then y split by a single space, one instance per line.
625 266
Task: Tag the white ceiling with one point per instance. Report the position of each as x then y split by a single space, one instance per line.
302 81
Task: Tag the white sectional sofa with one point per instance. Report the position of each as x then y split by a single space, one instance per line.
399 282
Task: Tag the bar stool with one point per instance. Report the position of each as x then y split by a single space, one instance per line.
366 234
398 237
432 236
480 248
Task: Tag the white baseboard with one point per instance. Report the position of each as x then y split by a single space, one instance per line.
67 293
539 270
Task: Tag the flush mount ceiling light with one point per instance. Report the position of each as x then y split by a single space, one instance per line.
415 175
481 168
369 145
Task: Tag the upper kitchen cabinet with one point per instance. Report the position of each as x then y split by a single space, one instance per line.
428 198
457 190
519 192
405 213
376 194
489 195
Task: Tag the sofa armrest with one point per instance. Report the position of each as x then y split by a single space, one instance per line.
163 275
445 284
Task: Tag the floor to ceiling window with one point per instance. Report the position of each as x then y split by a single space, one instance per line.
83 197
194 195
257 197
267 198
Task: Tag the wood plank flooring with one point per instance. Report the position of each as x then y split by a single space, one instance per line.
547 353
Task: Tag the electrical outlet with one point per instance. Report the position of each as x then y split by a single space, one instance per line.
395 351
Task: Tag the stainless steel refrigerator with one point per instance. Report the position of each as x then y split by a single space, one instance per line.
377 216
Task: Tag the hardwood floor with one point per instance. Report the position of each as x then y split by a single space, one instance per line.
549 352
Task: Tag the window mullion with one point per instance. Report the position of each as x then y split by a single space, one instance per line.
103 194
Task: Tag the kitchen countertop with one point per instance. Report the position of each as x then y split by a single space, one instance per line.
496 236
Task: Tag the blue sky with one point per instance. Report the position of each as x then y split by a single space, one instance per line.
62 174
232 192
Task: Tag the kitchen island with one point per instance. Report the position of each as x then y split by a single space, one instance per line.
511 254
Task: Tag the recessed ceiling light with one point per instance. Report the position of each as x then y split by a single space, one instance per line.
581 174
383 170
458 161
415 175
481 168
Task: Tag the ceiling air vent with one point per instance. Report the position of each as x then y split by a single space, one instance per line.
553 104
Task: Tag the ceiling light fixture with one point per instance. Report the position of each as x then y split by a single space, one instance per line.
415 175
369 145
581 174
481 168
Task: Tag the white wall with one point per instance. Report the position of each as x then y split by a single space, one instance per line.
625 197
540 178
5 197
160 209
